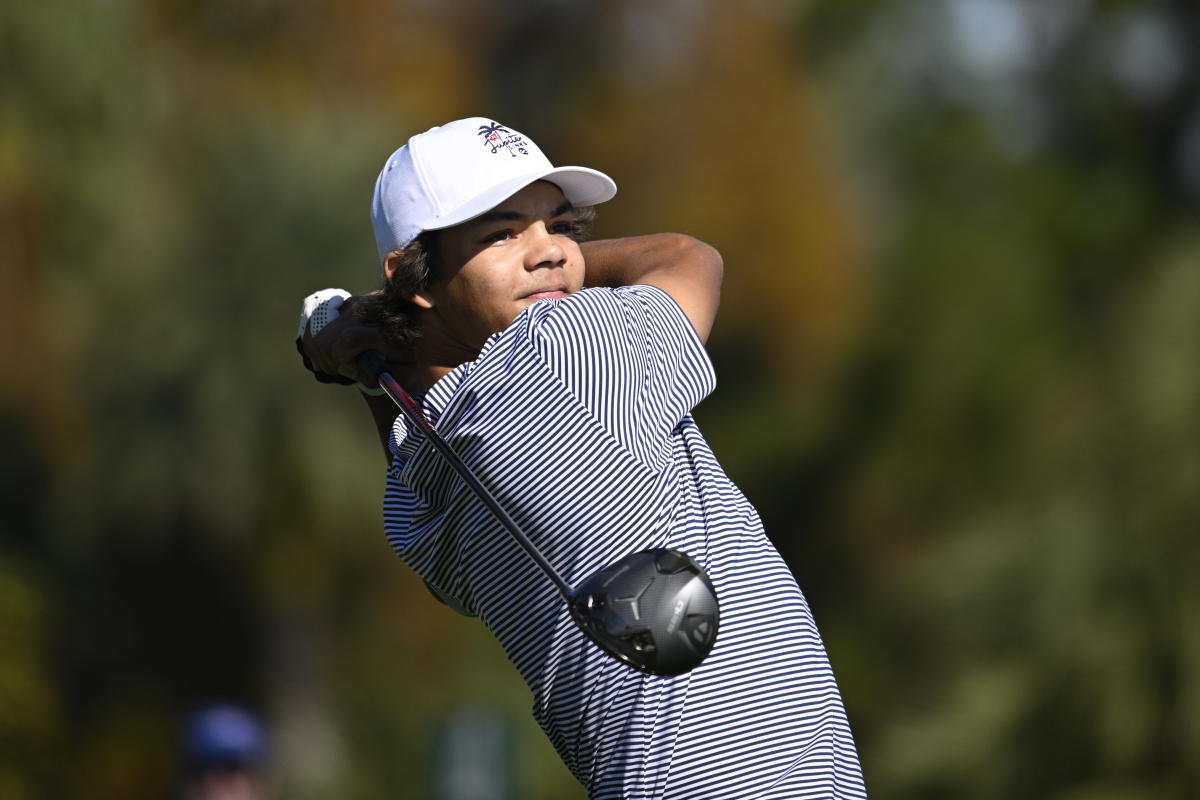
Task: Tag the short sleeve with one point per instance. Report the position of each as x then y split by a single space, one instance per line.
630 357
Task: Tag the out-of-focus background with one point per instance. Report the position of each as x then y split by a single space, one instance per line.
958 359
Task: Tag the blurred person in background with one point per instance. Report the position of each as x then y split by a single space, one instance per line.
566 372
224 752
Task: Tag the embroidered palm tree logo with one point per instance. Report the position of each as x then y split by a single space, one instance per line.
491 134
512 142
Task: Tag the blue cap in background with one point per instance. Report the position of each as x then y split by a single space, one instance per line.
223 735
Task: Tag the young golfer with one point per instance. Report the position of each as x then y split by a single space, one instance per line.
565 374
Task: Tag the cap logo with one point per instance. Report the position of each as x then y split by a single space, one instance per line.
496 136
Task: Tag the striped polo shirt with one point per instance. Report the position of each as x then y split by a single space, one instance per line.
577 417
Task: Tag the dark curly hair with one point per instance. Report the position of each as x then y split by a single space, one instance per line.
389 310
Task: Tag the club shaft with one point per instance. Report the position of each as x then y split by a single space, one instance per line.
414 415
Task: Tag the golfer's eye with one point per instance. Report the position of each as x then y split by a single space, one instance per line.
498 236
564 227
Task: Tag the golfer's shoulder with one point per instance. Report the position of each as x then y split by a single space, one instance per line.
609 316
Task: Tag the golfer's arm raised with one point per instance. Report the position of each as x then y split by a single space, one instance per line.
684 267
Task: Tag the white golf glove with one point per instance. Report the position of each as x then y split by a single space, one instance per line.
318 310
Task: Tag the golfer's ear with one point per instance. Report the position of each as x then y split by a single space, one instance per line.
422 298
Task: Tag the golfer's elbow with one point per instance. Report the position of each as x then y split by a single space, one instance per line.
707 269
695 283
702 259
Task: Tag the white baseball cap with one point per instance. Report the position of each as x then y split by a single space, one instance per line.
455 172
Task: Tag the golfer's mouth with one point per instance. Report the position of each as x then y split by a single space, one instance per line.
553 293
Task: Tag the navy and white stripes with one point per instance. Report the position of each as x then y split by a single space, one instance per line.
577 417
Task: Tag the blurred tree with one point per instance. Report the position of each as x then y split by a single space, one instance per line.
992 467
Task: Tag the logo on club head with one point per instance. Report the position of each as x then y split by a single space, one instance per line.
496 136
634 600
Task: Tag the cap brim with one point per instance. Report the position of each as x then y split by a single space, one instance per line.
580 185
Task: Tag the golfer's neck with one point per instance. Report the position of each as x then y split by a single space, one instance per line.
436 358
431 374
439 350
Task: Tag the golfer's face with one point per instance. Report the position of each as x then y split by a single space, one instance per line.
521 251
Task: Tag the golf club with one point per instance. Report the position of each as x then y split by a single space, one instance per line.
655 610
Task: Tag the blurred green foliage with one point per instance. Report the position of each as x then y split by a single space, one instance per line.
958 359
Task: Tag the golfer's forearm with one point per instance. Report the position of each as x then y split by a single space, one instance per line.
633 259
384 413
687 269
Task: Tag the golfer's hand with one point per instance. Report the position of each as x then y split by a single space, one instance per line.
335 348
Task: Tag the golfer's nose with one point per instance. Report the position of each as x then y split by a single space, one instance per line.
545 249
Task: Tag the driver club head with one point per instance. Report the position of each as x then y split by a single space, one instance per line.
656 610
